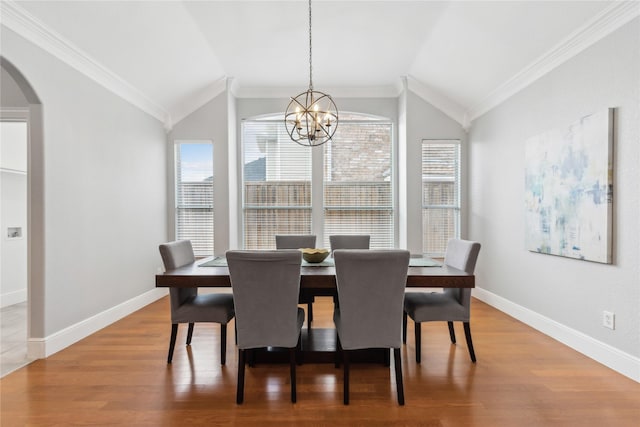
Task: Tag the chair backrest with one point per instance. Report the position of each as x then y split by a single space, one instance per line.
371 288
174 255
349 241
462 254
295 241
265 288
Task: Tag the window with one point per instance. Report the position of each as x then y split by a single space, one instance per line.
276 184
358 197
356 182
440 194
194 194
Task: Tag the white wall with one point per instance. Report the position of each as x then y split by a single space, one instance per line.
560 295
13 192
105 204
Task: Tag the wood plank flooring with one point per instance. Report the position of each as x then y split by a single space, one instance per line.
119 376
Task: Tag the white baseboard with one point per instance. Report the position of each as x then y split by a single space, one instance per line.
11 298
40 348
619 361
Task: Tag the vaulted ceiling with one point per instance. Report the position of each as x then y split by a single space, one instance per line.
460 55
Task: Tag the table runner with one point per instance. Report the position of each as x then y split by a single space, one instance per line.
413 262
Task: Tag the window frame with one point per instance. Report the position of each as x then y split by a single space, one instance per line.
318 176
177 199
456 206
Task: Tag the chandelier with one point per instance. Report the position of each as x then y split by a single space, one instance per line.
311 118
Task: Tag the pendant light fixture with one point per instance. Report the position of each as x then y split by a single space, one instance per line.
311 118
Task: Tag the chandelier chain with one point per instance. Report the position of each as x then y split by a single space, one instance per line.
310 63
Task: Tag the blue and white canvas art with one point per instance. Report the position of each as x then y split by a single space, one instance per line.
569 190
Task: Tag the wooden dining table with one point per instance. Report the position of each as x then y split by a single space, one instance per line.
318 344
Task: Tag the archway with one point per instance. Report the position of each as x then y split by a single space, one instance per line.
31 111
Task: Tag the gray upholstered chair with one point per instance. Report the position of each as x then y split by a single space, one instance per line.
371 288
451 305
297 241
349 241
189 307
265 287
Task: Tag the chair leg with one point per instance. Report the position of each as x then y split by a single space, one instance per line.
418 331
172 341
223 343
399 384
452 333
190 333
292 363
251 355
309 314
338 351
404 327
240 387
467 334
345 361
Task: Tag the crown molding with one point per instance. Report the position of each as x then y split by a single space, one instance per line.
438 100
28 26
610 19
200 98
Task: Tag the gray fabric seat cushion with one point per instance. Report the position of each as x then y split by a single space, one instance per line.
204 308
433 306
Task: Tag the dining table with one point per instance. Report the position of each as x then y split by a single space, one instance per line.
318 279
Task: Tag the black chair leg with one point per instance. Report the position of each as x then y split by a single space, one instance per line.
309 314
172 341
418 331
399 384
190 334
452 333
292 363
345 360
299 359
252 357
404 327
240 388
223 343
338 351
467 334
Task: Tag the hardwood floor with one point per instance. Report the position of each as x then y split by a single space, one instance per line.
119 376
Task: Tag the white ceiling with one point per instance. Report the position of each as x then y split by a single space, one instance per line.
173 52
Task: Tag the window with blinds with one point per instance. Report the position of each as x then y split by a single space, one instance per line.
276 184
194 194
358 196
440 194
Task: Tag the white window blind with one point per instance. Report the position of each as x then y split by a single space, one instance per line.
358 196
440 194
194 194
276 184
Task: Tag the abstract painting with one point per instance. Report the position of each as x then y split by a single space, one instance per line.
569 190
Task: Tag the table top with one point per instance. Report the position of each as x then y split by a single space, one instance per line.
195 276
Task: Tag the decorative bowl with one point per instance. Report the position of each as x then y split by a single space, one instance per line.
314 255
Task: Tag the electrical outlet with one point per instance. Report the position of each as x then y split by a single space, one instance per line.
608 320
